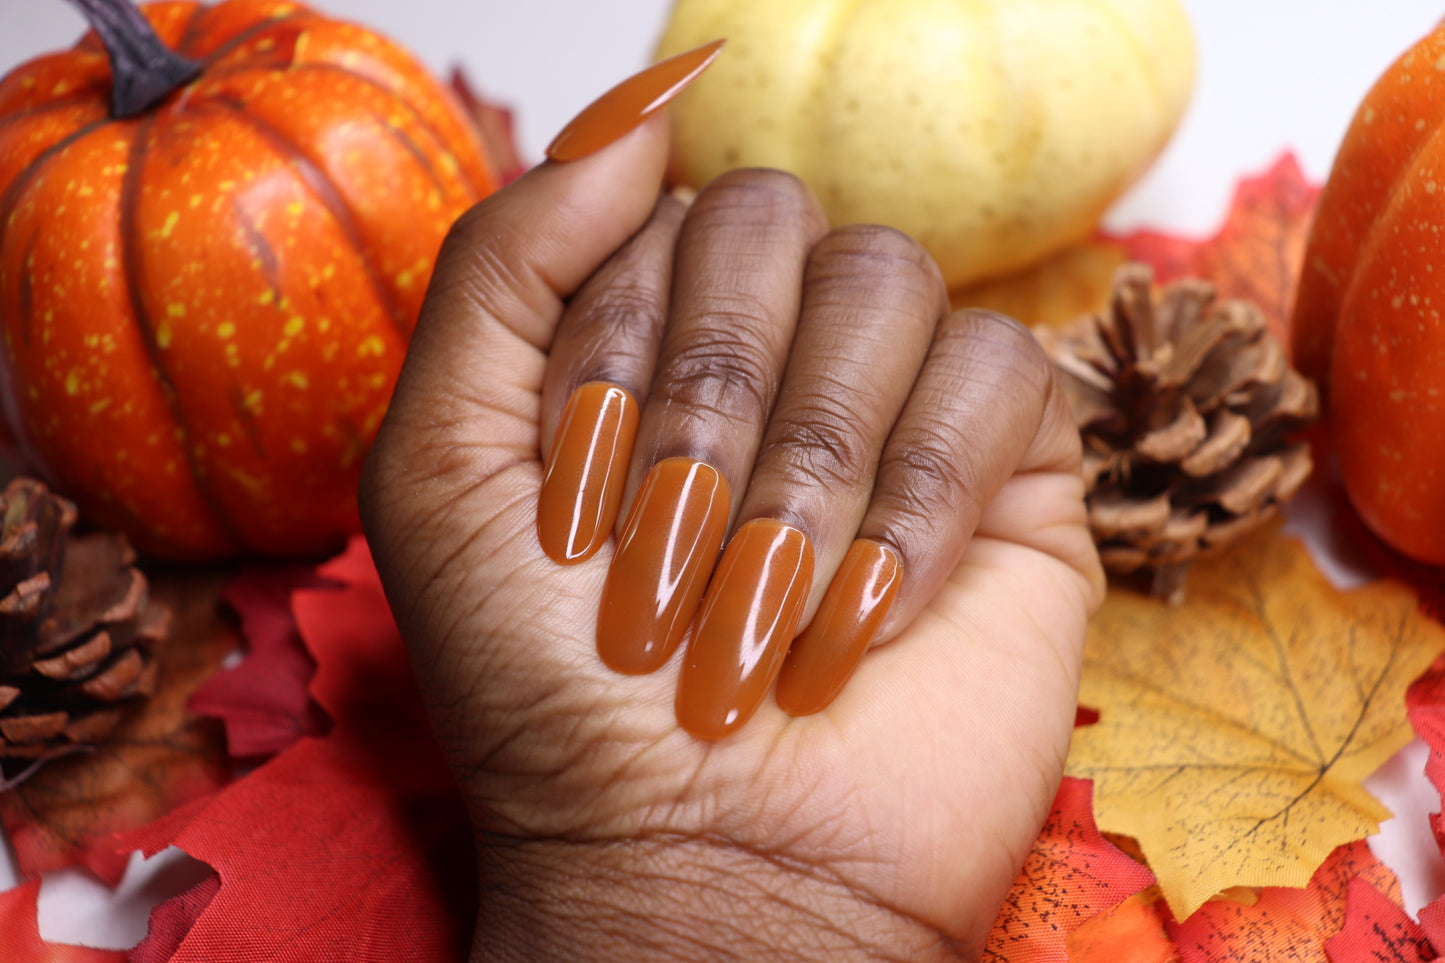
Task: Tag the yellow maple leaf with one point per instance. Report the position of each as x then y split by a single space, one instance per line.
1235 729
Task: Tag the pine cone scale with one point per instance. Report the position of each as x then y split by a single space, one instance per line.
1185 407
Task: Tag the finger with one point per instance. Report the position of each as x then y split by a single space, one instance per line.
973 418
466 403
602 359
871 301
735 301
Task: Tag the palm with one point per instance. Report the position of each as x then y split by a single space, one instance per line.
923 784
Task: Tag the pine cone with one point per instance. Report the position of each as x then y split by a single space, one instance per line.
1186 406
76 627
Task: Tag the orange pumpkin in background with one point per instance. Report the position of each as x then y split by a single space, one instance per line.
1369 318
210 269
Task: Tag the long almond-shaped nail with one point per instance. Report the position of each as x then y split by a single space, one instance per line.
668 548
820 660
748 618
628 104
586 468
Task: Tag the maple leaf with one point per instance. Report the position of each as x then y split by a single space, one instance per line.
1236 727
172 919
1283 923
21 940
1132 932
1071 874
157 757
1377 929
1257 253
264 702
349 846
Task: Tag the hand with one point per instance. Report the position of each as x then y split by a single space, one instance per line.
821 375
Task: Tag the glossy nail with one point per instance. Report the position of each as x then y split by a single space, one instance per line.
668 548
586 469
748 618
820 660
628 104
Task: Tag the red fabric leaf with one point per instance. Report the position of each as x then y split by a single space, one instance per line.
352 846
495 124
1256 254
264 701
1377 929
172 919
20 933
1072 874
1432 922
1283 923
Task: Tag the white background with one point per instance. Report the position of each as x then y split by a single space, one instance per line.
1274 74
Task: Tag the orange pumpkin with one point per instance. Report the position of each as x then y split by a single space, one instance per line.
1369 318
207 287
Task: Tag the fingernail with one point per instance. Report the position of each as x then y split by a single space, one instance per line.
820 660
668 547
628 104
748 618
586 469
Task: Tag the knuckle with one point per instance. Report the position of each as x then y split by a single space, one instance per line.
824 444
930 470
616 326
720 371
998 340
874 252
749 196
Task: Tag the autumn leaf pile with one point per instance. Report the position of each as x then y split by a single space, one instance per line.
1214 808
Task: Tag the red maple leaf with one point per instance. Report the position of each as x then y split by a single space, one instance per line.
172 919
1256 254
1283 923
1072 874
265 701
349 846
20 933
1377 929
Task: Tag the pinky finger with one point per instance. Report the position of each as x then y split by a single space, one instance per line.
973 416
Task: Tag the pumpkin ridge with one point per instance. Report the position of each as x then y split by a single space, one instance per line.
130 255
331 197
239 40
80 98
17 187
418 116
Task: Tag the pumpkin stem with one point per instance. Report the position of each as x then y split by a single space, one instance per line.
143 70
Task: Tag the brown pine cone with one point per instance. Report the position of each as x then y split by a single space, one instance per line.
1186 406
76 628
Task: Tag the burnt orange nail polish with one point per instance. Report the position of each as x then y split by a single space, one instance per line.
628 104
582 486
748 618
668 548
824 656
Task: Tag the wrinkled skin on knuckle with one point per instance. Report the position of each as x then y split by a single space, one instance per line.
870 258
726 370
824 444
619 327
753 198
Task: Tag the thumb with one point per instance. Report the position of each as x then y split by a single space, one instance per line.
466 403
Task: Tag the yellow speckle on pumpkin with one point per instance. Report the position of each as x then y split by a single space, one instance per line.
378 380
252 401
59 89
226 329
299 446
328 272
85 190
405 279
295 208
175 310
72 383
163 335
298 379
227 185
372 346
196 200
294 326
223 440
266 297
96 407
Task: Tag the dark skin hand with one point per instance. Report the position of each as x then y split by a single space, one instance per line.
821 372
